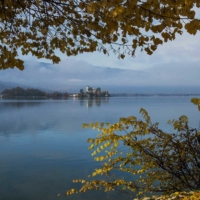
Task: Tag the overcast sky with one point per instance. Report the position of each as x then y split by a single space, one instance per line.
175 63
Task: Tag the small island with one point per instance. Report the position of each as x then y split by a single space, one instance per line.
92 92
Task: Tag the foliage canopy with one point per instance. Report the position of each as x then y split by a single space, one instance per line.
40 27
155 159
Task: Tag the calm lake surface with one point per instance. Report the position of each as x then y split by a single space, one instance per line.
43 147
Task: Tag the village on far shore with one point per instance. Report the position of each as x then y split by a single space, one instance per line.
92 92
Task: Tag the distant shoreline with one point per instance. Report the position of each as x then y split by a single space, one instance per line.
94 97
153 95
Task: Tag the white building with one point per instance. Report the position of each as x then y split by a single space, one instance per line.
87 88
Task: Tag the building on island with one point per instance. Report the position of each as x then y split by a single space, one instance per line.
92 92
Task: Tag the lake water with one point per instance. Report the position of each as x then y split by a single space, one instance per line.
43 147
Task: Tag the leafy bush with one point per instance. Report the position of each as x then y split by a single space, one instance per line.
157 160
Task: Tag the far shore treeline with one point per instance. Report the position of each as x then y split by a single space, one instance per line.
20 93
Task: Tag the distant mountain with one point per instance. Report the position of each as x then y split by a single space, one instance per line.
71 75
4 86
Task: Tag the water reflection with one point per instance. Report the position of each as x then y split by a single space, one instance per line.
92 101
96 102
20 104
67 116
